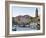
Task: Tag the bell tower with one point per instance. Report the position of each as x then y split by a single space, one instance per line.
36 12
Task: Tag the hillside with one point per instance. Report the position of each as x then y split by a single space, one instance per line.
26 19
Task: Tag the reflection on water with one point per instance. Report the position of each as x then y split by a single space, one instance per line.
25 28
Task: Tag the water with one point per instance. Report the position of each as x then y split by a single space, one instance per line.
27 28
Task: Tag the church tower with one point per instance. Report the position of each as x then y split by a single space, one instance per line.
36 12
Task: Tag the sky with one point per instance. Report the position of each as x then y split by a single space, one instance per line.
16 11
